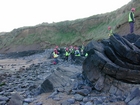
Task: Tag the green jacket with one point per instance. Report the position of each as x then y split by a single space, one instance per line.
55 55
110 33
131 17
86 54
67 53
77 53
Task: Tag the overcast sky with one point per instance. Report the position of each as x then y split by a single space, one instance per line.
19 13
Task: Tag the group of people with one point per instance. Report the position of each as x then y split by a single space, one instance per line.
69 53
131 21
74 52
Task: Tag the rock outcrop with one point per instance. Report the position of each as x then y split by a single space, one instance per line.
113 65
116 57
60 77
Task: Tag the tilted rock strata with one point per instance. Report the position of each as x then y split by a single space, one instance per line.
116 57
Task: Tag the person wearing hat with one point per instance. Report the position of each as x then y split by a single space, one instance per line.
66 54
110 31
131 20
55 56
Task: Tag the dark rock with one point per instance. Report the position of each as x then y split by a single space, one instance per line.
113 60
132 38
65 103
83 92
53 94
79 60
85 99
113 89
116 103
57 99
135 101
22 54
28 100
94 45
113 66
71 101
39 103
2 102
78 97
97 101
89 103
125 49
59 78
3 98
100 83
60 89
68 90
137 43
134 94
16 99
46 86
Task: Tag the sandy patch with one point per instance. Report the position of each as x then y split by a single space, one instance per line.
13 65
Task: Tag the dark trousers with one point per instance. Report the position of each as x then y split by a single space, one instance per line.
66 58
55 61
72 56
131 27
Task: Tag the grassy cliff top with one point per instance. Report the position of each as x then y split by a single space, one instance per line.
68 33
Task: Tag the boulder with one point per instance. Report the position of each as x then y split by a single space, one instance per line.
16 99
113 59
59 78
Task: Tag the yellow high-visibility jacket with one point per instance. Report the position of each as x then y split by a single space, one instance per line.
55 55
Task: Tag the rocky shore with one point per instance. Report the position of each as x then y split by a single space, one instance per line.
34 80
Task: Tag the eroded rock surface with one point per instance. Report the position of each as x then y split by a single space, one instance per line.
116 57
113 66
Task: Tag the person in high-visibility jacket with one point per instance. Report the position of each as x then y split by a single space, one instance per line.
77 52
66 54
57 50
55 56
71 50
82 49
86 54
110 31
131 20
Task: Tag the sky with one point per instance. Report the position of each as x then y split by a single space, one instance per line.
19 13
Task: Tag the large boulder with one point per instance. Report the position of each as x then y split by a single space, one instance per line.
60 78
115 57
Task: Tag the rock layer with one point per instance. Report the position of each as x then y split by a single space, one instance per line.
116 57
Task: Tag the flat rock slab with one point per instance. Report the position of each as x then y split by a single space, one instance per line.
59 78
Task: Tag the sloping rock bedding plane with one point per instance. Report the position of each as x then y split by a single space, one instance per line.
116 57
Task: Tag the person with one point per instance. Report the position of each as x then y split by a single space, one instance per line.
66 54
55 56
57 50
71 53
77 52
82 49
110 31
86 54
131 20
